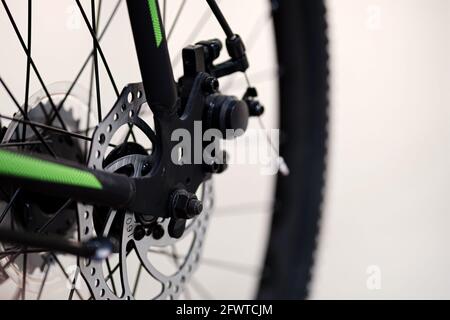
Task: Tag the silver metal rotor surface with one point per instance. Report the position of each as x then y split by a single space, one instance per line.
126 112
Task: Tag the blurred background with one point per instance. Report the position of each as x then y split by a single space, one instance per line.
388 195
386 216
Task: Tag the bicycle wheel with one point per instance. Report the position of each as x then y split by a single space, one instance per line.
301 28
59 118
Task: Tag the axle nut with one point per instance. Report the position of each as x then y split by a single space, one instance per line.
185 205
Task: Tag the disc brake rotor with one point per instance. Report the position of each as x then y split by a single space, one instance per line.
133 233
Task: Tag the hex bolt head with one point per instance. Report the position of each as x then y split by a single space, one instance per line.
195 208
158 232
211 85
139 233
185 205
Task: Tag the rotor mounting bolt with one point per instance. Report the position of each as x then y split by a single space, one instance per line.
139 233
158 232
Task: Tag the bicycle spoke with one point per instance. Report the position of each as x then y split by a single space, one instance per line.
116 267
24 275
86 61
54 217
65 273
97 78
255 32
113 283
74 283
89 110
96 24
43 126
27 52
258 77
99 10
86 131
164 12
231 266
136 281
111 274
97 46
33 127
177 17
129 134
108 223
54 129
47 118
8 253
27 83
44 280
111 215
16 254
21 144
197 29
8 206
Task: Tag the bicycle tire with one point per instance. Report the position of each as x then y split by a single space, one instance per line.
302 43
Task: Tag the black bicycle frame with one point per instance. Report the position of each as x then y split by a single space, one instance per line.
153 55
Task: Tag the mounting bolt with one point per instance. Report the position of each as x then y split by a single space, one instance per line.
195 208
139 233
185 205
211 85
158 232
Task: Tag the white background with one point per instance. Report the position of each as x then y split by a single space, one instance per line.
388 201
